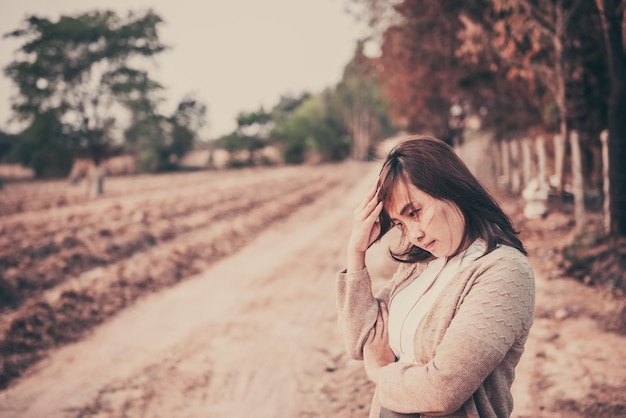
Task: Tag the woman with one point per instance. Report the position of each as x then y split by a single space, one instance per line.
443 337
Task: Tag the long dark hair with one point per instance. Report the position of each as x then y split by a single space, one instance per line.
433 166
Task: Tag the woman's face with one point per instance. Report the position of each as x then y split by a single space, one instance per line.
436 226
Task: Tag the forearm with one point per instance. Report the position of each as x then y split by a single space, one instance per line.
357 309
440 386
355 261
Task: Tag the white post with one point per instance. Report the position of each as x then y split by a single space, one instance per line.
526 161
559 157
515 172
579 202
604 138
541 163
506 166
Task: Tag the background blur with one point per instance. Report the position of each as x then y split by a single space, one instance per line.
177 181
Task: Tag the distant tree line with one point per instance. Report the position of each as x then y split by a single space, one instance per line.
343 121
83 93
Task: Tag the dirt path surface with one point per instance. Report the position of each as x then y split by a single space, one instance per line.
254 334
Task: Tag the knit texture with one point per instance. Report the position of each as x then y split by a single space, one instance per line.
466 347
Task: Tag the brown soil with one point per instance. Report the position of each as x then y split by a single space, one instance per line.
212 295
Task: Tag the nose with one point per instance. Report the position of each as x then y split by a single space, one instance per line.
415 231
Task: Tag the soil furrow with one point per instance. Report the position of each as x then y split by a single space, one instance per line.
66 312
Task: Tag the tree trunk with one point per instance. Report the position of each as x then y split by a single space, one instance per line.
577 172
95 181
559 70
497 163
604 138
612 15
617 157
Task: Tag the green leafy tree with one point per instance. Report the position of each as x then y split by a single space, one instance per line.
7 142
44 146
252 134
187 121
309 130
258 124
148 138
80 68
160 141
359 104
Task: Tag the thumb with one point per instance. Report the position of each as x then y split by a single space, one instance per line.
384 310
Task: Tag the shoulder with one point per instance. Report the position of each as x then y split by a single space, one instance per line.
506 258
504 270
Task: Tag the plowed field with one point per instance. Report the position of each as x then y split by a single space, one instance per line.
71 267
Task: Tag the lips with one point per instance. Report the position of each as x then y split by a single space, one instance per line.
429 245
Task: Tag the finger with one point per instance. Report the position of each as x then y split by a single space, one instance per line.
380 326
371 207
384 312
370 336
374 214
371 193
369 202
376 211
372 202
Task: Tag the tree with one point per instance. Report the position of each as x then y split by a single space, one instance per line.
187 121
7 142
421 71
309 132
613 24
252 134
358 101
161 141
44 146
79 68
532 37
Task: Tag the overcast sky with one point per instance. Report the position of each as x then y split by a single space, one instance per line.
233 55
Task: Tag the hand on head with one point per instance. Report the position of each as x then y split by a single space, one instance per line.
365 228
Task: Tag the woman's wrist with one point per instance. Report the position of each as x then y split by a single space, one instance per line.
356 261
372 371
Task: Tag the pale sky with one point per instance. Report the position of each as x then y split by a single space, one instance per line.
233 55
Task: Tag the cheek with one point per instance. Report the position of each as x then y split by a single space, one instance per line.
451 218
457 224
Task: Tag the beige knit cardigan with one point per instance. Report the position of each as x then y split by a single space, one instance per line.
466 347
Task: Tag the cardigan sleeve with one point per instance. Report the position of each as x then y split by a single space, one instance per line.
357 307
495 314
357 310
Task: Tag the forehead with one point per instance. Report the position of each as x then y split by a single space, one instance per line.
403 194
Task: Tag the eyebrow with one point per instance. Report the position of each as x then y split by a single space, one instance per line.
404 209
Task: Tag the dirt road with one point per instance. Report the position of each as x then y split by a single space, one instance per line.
256 335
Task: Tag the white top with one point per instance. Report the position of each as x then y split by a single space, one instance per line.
412 302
